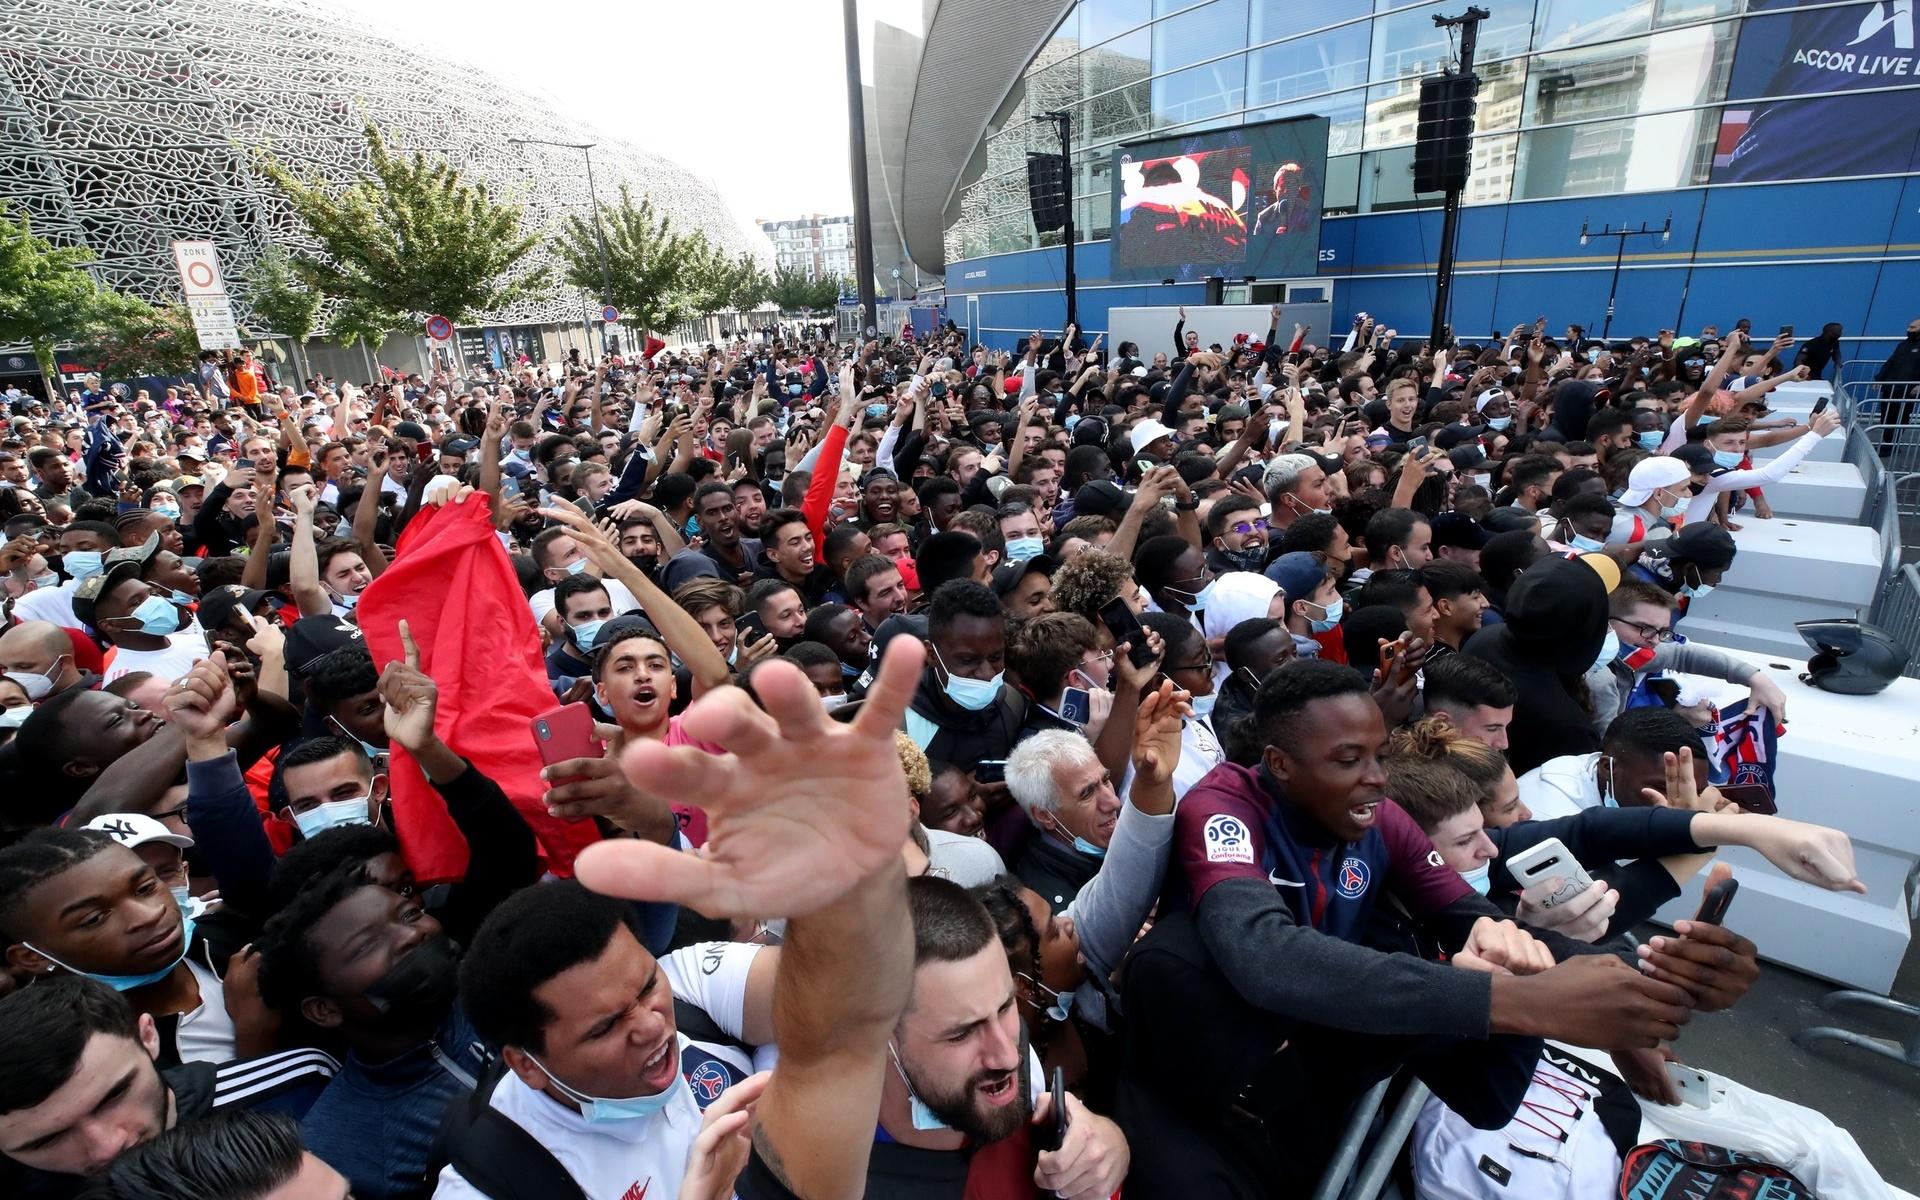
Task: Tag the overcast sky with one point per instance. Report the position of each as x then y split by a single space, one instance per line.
688 79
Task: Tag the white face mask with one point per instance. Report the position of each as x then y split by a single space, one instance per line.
332 814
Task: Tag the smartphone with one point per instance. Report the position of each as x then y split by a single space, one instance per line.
990 770
1125 627
566 733
1820 405
1786 331
1417 445
1719 898
1695 1087
1076 705
1751 797
1545 860
1054 1135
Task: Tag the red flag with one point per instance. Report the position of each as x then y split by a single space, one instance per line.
452 583
654 346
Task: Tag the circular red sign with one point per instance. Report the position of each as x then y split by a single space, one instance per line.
200 274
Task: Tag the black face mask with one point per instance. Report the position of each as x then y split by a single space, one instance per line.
646 562
418 990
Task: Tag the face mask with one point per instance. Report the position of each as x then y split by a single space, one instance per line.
1197 601
1695 591
1021 549
876 410
924 1119
1252 558
35 685
418 989
1499 424
598 1110
1072 420
169 511
189 904
126 983
584 634
1651 440
157 616
1603 782
82 564
1332 614
15 717
833 702
50 580
1203 705
348 601
1727 458
1586 545
1670 511
179 599
1479 878
577 566
793 389
1061 1008
332 814
974 695
1609 648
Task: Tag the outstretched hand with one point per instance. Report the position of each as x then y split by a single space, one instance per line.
800 808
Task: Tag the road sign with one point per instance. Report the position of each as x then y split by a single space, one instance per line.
206 294
609 314
439 328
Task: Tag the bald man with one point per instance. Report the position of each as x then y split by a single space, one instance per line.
38 656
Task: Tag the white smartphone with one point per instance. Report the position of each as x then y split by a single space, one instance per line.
1545 860
1696 1088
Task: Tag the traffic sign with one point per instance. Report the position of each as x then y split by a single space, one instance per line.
439 328
609 314
206 295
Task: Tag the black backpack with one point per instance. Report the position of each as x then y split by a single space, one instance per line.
495 1155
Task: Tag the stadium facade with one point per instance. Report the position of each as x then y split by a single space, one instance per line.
1782 137
128 124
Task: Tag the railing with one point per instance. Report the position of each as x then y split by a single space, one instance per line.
1897 610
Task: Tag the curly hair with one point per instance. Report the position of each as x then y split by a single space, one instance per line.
913 760
1085 585
1436 739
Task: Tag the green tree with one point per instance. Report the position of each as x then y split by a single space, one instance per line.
412 240
47 296
284 301
794 292
656 275
142 339
744 284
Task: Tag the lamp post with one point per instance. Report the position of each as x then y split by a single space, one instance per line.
599 236
1620 253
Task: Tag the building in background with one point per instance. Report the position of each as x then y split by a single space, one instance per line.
1782 136
817 247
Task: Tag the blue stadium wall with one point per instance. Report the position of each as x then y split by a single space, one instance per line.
1780 253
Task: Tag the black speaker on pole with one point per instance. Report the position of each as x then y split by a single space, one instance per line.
1444 153
1046 191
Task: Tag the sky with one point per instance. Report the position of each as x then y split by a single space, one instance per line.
691 80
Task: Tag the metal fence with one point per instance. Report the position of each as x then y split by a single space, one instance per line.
1897 610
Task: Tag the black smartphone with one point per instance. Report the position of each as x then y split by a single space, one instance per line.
1786 331
1053 1134
1751 797
1713 909
1125 627
990 770
1820 405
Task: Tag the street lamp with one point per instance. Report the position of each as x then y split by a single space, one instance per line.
1622 234
599 237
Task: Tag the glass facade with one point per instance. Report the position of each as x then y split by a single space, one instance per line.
1577 97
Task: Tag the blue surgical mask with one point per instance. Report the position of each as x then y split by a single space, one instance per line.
180 598
157 616
1021 549
577 566
1696 591
1499 424
1333 612
1480 878
793 389
1651 440
876 410
170 511
1197 601
1609 649
126 983
1670 511
974 695
50 580
348 600
924 1119
1072 420
584 633
1584 544
1727 458
332 815
599 1110
82 564
1203 705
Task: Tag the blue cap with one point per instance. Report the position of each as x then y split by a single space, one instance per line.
1299 574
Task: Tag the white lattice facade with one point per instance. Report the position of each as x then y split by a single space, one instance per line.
126 124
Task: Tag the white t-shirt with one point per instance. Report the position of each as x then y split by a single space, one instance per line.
623 600
967 861
206 1034
176 659
1200 753
1562 787
48 604
712 977
612 1160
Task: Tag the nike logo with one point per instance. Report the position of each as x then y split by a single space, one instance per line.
1273 877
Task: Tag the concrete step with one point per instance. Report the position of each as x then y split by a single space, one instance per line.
1757 625
1832 448
1802 559
1824 491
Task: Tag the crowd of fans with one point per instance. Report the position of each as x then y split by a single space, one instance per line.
787 768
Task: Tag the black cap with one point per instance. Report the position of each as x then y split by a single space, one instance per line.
93 587
411 429
461 446
311 637
1455 435
1460 531
1099 498
218 606
1007 576
1697 455
1703 545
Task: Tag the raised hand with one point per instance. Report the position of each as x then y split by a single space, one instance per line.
409 698
1156 731
203 701
800 808
1714 965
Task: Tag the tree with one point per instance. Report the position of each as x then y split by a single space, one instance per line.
141 339
743 284
283 300
47 296
656 276
794 292
414 239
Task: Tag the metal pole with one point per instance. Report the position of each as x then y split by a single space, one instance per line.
1469 23
1066 183
857 147
1613 288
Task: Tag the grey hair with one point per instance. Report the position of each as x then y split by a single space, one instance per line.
1030 768
1285 471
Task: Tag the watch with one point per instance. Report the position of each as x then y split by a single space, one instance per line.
1187 505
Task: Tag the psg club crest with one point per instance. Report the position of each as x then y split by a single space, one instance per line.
707 1081
1353 878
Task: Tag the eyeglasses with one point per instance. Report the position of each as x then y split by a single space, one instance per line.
1243 528
1652 633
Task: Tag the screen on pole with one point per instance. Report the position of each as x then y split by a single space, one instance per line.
1228 202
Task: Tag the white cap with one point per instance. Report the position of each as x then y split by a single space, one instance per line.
1649 475
1147 432
1481 401
137 829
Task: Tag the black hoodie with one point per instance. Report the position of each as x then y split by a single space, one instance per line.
1556 621
1573 404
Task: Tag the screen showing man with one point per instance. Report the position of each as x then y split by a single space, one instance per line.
1183 209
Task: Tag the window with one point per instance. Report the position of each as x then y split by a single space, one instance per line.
1408 43
1345 115
1118 116
1122 61
1199 34
1102 19
1638 154
1272 20
1200 92
1343 185
1325 62
1569 22
1667 70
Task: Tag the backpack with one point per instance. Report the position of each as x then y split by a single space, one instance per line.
493 1153
1671 1169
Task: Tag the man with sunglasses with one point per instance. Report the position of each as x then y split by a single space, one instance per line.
1236 535
1643 644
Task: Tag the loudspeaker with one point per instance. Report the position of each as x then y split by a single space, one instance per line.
1443 155
1046 191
